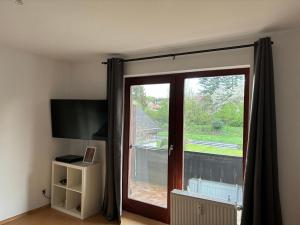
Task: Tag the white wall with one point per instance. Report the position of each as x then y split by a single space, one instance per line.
27 82
190 62
287 80
89 80
286 54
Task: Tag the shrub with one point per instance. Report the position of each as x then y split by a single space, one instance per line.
231 114
217 125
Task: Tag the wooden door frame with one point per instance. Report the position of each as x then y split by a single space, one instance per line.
144 209
176 125
180 77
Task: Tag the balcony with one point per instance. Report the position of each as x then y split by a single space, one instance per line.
216 177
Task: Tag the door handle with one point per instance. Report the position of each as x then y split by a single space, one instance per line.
171 148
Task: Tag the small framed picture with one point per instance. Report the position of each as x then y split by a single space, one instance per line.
89 154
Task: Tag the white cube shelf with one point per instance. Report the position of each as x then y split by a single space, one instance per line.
80 196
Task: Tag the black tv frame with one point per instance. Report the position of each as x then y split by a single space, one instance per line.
97 138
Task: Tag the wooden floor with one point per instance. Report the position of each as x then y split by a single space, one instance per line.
48 216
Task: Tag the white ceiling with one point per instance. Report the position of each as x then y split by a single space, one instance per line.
70 29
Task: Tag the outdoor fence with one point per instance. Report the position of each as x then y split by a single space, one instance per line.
150 165
217 190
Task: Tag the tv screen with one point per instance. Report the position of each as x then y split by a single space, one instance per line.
79 119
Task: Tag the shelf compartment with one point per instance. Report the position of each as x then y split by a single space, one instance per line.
59 173
74 180
73 202
60 185
76 188
59 197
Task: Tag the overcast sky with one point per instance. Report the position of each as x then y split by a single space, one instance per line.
163 90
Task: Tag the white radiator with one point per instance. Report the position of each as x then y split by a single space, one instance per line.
190 209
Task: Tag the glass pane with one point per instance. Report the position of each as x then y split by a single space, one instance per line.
213 137
148 165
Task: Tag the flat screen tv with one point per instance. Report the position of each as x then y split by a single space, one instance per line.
79 119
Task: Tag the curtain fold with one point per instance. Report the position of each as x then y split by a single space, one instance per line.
261 192
112 203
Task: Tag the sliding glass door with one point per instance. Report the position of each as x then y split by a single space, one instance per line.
185 131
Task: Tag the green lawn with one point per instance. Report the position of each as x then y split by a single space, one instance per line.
229 135
213 150
224 138
217 138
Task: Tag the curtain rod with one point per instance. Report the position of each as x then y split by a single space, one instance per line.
187 53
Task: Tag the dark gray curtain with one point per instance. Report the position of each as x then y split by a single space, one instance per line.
112 205
261 192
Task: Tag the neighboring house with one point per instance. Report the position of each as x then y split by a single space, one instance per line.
154 106
144 128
